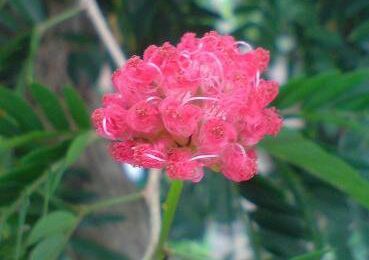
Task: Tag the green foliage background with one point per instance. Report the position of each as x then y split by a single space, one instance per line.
312 203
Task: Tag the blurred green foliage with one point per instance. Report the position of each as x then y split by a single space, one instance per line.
315 35
312 203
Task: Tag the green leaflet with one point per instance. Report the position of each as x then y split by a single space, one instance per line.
30 137
301 88
8 127
49 248
57 222
18 109
46 155
77 146
292 147
336 88
50 106
77 108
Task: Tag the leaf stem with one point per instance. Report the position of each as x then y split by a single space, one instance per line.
21 221
44 26
15 205
35 41
47 194
88 209
170 207
27 73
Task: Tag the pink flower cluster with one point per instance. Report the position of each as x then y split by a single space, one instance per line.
199 104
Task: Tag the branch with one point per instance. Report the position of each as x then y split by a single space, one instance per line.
102 29
152 197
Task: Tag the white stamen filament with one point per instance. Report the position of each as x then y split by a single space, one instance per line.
151 156
152 98
243 151
185 54
244 44
105 128
217 61
204 156
257 79
202 98
190 63
156 68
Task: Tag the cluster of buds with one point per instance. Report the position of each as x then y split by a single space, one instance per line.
199 104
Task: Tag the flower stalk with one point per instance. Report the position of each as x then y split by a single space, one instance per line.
170 207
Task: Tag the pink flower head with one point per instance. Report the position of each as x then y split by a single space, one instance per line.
266 122
181 166
237 164
215 134
122 151
146 156
180 119
144 117
201 103
110 122
266 92
137 73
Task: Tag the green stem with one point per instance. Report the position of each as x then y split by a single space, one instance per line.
111 202
15 205
44 26
88 209
28 66
47 194
21 221
170 207
35 41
